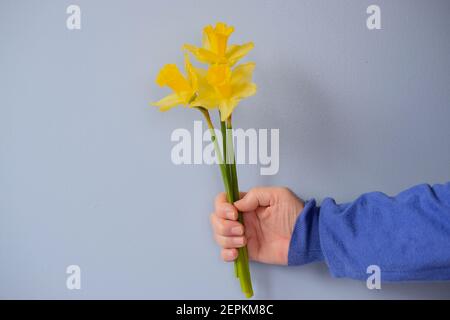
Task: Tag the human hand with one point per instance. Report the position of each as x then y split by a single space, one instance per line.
269 217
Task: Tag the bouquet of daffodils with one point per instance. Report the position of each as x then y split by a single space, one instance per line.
220 86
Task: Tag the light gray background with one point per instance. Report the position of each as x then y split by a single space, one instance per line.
85 170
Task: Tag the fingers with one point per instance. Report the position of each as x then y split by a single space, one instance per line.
256 197
223 209
228 232
229 255
225 227
220 198
230 242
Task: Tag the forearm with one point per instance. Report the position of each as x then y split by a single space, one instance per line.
407 236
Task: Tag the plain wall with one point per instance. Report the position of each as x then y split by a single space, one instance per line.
86 176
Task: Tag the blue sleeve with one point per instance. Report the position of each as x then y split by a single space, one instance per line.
407 236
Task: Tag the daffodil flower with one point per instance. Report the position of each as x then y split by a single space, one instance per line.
230 85
215 49
192 90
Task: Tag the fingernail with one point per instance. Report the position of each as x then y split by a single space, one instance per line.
230 215
230 254
239 241
237 231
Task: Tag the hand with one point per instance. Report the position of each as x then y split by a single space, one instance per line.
269 217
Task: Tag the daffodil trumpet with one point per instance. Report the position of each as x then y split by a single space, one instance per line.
221 86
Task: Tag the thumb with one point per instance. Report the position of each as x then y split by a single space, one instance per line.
256 197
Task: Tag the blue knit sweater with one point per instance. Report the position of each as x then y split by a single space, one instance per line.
407 236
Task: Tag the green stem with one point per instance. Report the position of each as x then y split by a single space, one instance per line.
229 178
223 129
241 263
223 169
224 137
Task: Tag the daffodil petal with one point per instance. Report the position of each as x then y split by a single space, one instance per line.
236 52
242 74
205 40
206 94
245 90
191 74
209 56
201 73
226 107
208 100
191 48
203 55
202 83
168 102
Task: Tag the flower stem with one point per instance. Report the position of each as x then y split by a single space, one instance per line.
223 170
223 129
229 178
241 263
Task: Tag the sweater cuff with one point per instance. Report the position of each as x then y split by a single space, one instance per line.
305 246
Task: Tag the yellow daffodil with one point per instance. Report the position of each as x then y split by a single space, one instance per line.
230 86
191 91
215 48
